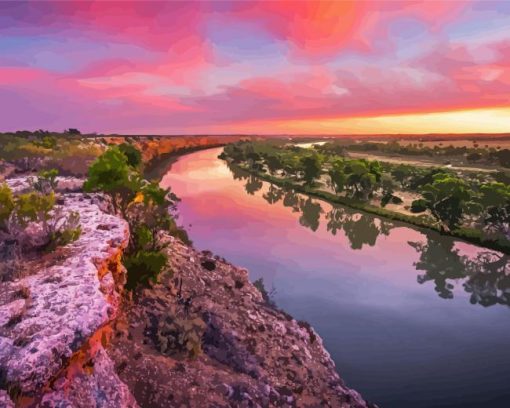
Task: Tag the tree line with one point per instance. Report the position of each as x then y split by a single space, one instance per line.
477 203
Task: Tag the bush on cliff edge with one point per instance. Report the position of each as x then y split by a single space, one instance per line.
144 205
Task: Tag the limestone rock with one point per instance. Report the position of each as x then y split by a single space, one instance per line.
57 319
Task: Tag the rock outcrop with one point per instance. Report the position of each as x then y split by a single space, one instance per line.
55 322
248 354
203 336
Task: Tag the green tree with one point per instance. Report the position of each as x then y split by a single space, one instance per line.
362 178
291 164
273 163
402 173
148 214
337 176
133 155
111 174
494 194
495 198
146 207
312 167
448 198
388 187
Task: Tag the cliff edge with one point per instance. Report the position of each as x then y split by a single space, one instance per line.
55 322
202 336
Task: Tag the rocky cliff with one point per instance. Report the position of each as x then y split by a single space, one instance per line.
55 321
203 336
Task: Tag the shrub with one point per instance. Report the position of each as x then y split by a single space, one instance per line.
111 174
47 142
178 336
34 207
36 223
6 205
396 200
66 229
145 206
133 155
46 182
418 206
259 284
144 267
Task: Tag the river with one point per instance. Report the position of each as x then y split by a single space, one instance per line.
411 318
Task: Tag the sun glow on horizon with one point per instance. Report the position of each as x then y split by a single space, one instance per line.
494 120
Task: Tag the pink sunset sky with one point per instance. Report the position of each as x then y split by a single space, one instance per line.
255 67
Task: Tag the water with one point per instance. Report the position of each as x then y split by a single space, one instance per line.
411 318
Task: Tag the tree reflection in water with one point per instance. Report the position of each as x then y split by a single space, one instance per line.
441 263
489 279
486 277
360 229
310 213
253 184
273 195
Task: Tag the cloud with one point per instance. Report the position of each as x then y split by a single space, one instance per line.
177 67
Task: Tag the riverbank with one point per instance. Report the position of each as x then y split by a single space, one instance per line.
466 234
205 336
159 165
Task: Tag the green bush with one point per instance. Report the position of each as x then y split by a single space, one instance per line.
18 212
34 207
111 174
6 205
47 142
418 206
46 181
144 267
133 155
68 231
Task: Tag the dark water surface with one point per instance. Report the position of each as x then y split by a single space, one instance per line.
411 318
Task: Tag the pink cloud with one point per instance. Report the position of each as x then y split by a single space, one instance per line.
334 59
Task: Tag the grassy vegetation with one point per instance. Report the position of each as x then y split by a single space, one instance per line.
495 156
70 154
32 222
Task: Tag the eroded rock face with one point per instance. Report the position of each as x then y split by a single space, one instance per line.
54 322
250 354
202 337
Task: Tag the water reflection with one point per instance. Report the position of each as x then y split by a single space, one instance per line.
489 279
360 229
273 195
441 263
486 276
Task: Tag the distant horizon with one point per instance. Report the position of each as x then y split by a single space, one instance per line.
292 135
